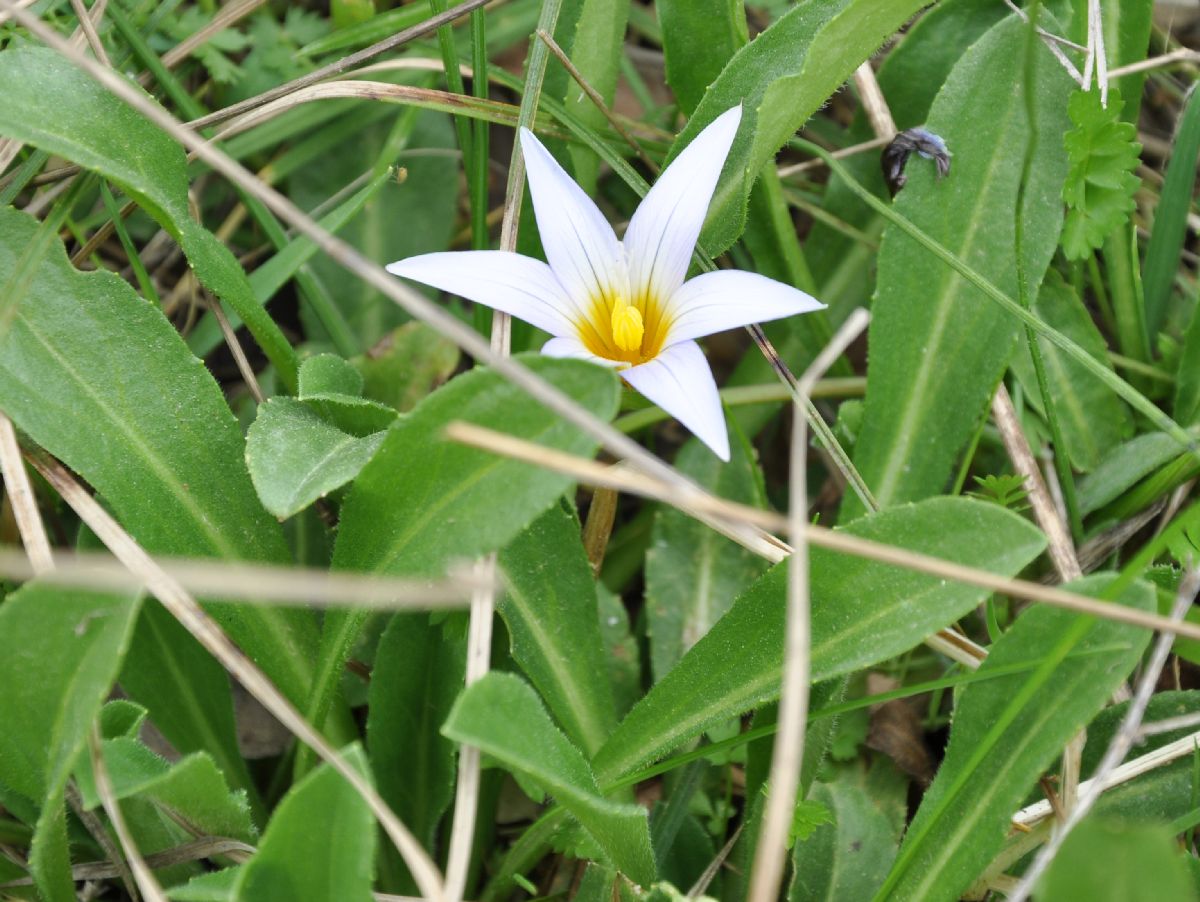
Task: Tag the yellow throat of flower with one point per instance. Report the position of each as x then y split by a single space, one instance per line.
627 327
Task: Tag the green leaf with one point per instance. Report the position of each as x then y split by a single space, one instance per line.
1123 467
938 345
862 612
407 365
550 609
1105 860
1168 233
417 676
693 573
1101 182
596 51
295 457
1093 420
97 131
781 78
848 855
1006 732
60 650
698 40
424 502
502 716
192 788
161 445
329 374
319 845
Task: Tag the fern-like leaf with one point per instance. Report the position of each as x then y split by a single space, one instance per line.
1100 183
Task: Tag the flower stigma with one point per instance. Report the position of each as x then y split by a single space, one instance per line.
627 327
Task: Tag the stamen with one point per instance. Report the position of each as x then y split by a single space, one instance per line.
627 327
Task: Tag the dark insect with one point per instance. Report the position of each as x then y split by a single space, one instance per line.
904 145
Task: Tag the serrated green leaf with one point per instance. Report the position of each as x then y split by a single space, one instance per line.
503 717
295 457
693 574
92 128
938 345
550 608
862 612
191 788
319 845
1006 732
1100 182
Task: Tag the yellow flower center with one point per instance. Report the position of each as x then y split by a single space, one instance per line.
627 328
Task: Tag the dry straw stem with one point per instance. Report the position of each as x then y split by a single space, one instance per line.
184 608
259 584
88 27
720 514
226 16
817 163
205 847
24 504
1062 552
142 874
770 853
1121 743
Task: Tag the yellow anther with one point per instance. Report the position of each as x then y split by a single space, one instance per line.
627 328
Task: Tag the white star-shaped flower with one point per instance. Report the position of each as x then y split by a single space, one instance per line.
625 304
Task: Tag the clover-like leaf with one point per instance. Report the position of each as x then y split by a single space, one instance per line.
1100 183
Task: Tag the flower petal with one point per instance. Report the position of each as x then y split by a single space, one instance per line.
517 285
579 243
574 348
679 381
728 298
663 231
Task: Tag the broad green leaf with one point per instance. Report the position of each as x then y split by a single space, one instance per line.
60 650
161 445
1166 241
1123 467
92 128
1093 420
862 612
693 574
938 346
319 845
849 857
1100 182
191 788
217 886
781 78
502 716
698 40
596 52
550 609
1105 860
424 502
622 656
1006 732
407 365
295 457
329 374
417 676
